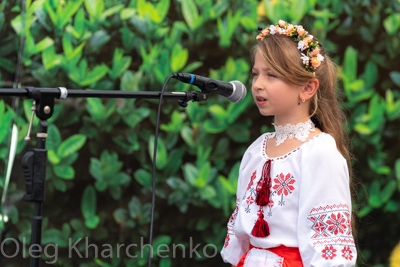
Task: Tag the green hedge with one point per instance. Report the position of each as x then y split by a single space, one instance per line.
99 150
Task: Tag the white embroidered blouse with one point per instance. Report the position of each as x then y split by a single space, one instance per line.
309 208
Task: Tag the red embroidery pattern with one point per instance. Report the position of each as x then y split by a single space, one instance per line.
331 229
250 199
283 186
227 241
347 253
253 176
331 221
328 253
231 224
336 223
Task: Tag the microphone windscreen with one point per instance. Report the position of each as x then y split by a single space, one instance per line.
239 92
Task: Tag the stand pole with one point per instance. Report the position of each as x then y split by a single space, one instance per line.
34 165
34 161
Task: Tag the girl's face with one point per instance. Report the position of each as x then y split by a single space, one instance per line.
273 96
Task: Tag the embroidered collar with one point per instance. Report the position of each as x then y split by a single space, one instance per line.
300 131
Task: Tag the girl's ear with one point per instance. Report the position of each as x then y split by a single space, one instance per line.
309 89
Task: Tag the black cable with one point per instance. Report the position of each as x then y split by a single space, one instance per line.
153 195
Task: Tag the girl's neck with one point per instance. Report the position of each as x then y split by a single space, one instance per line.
282 121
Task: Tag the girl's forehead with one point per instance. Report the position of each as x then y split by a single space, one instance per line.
260 63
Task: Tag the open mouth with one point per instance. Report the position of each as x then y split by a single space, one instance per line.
260 99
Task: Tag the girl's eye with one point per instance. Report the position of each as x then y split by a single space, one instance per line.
271 75
253 74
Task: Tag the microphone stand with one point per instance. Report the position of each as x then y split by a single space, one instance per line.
34 161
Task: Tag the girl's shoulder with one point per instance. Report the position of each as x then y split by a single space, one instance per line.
322 146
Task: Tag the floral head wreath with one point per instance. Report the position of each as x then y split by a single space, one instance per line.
310 49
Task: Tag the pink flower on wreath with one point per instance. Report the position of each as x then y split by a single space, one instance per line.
347 253
328 253
284 184
337 223
282 23
289 29
300 30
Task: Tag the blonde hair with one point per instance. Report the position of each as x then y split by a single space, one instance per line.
281 56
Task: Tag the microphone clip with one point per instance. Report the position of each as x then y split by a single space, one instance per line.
193 96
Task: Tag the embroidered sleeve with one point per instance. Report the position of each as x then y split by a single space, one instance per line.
233 248
324 224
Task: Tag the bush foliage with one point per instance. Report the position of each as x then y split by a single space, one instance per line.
98 182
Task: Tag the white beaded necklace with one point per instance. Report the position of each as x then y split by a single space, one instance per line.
299 131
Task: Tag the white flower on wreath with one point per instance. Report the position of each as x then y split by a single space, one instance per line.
300 45
320 57
305 59
272 29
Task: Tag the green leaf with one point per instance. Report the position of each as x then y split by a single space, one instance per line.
397 169
68 11
64 171
349 68
111 11
50 58
179 57
120 215
375 195
94 8
392 23
42 45
71 145
395 77
120 64
218 112
95 108
5 123
53 138
127 13
388 191
52 157
207 192
226 184
95 75
364 211
362 128
89 206
190 13
162 155
190 172
204 175
55 237
7 64
215 126
143 177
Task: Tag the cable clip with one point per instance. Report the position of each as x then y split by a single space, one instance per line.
63 92
28 135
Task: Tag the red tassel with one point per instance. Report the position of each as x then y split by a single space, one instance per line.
263 186
262 197
261 228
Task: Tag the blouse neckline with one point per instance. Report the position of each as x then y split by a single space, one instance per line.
270 135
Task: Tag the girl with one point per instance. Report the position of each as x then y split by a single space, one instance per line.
293 205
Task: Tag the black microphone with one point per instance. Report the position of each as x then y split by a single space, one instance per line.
234 91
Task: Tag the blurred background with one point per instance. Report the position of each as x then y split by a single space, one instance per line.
98 183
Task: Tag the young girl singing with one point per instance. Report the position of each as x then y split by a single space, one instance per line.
293 203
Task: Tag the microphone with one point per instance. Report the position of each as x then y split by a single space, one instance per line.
234 91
